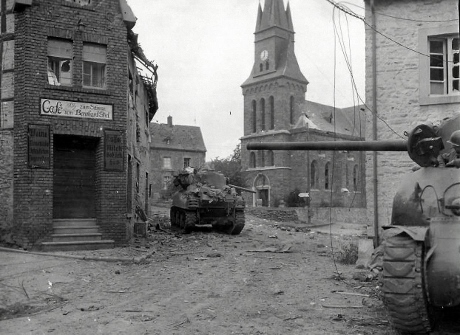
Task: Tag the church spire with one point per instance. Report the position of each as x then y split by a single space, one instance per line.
259 18
274 15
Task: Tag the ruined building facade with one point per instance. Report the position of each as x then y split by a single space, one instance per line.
74 124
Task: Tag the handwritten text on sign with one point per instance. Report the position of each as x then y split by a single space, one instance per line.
76 109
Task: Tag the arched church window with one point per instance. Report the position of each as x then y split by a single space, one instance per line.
272 112
261 158
270 158
261 67
355 178
254 116
291 110
326 175
262 109
314 176
252 160
267 65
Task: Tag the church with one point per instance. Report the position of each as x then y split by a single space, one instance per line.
276 110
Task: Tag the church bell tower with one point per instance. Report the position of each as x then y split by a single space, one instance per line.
276 87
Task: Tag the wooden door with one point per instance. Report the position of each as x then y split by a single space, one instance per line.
74 177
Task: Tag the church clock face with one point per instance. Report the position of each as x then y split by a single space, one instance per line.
264 55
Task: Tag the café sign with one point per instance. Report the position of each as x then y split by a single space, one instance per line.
76 109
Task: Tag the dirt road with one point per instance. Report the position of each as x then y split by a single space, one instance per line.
267 280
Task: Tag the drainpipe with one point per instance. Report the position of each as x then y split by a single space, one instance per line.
374 125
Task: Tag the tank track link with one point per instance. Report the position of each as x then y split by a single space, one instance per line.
404 285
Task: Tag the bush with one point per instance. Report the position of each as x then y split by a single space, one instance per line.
348 254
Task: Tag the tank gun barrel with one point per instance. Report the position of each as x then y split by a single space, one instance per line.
242 188
400 145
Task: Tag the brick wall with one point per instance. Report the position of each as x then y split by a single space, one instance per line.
33 187
398 88
6 183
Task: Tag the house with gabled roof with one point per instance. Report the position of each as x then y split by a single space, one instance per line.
173 148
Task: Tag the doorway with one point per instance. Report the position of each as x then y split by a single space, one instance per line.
74 190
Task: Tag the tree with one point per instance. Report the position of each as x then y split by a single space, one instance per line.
231 167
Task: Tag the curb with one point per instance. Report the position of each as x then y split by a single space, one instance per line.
134 260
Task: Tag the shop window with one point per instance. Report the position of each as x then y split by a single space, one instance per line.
94 65
167 163
60 62
187 162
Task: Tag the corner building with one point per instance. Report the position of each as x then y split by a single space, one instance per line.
73 137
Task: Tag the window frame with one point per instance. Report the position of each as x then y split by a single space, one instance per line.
187 160
425 36
95 66
58 59
167 166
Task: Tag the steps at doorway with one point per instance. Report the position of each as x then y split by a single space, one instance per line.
76 234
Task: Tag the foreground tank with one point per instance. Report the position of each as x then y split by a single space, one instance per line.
205 198
421 261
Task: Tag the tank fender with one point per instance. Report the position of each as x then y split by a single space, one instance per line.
416 233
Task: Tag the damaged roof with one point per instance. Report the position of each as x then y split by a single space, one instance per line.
347 121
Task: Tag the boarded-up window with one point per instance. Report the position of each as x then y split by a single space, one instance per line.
60 63
94 65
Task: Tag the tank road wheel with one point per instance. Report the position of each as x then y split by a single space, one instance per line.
189 221
404 284
238 225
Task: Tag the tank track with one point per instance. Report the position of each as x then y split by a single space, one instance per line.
182 219
238 225
404 285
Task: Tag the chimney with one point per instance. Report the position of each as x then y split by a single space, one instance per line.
170 121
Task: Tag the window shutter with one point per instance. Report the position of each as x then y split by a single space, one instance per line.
95 53
60 48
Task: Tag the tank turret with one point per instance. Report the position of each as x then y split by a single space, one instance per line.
421 272
204 197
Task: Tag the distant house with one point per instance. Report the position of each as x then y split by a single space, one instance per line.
275 110
412 77
173 148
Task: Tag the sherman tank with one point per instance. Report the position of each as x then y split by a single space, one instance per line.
205 198
421 246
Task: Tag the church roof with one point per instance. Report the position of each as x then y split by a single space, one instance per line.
176 137
345 121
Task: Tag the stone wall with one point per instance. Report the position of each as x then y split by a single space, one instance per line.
398 72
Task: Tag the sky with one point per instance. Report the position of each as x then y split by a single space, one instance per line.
204 50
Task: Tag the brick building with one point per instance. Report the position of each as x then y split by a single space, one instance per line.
74 123
275 110
403 88
173 148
